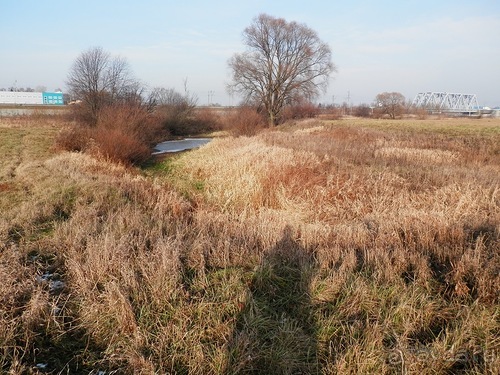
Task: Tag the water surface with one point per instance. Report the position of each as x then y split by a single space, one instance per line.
179 145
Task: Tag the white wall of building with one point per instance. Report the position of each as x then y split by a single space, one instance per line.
12 97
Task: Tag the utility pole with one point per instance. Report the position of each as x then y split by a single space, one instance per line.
210 96
349 100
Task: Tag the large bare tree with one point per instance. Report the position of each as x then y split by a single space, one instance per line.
390 103
283 61
98 79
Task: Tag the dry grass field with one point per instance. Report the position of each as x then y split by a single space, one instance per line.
320 247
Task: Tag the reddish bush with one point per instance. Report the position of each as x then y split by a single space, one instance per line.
196 121
299 111
207 120
362 110
331 113
134 121
421 113
245 121
75 138
119 146
80 113
124 133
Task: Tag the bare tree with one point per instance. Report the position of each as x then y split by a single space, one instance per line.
170 101
284 61
170 97
175 109
97 79
390 103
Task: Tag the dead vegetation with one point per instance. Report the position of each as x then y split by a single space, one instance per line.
351 246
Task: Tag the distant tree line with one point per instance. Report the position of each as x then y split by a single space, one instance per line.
27 89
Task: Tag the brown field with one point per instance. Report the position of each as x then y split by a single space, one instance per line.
320 247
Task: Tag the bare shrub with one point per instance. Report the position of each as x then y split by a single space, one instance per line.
134 120
176 111
300 111
74 138
331 113
80 113
207 120
378 113
124 133
421 113
362 110
245 120
199 121
119 146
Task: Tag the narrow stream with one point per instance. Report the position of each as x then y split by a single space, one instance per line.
180 145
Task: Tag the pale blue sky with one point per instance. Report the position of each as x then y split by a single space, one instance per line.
386 45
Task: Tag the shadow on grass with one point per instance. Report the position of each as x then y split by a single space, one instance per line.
275 333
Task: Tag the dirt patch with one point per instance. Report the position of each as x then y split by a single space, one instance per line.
6 186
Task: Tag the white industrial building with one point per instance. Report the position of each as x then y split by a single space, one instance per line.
31 98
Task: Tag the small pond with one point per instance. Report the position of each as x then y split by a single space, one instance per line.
179 145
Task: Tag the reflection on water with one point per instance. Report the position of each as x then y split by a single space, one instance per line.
180 145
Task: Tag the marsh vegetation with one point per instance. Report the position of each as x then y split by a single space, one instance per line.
347 246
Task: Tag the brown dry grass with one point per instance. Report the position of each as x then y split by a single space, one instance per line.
349 246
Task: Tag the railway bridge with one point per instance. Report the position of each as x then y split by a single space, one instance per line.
454 103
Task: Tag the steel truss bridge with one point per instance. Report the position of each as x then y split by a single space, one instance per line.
457 103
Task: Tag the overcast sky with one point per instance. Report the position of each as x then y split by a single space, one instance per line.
408 46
